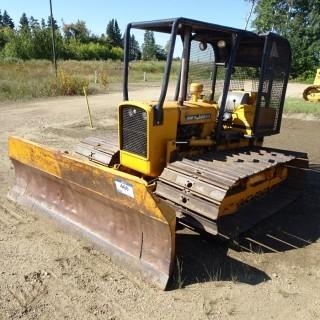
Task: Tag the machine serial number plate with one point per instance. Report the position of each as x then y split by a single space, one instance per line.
198 116
124 188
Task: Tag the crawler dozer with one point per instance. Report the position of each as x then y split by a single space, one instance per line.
312 93
196 160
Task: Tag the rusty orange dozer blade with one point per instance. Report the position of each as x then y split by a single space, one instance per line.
116 210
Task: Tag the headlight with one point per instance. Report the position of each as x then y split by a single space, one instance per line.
221 44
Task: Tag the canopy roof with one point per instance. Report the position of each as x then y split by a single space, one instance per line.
165 26
251 45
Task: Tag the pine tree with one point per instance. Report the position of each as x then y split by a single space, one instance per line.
149 48
117 34
55 24
34 23
134 49
113 33
161 53
6 20
1 21
24 22
43 23
110 31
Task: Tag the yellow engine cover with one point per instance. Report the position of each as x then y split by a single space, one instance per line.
242 118
154 158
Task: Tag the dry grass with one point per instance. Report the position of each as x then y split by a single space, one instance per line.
20 80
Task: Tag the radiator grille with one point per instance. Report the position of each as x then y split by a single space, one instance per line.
134 130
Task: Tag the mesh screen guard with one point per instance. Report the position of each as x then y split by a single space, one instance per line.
202 69
272 86
266 75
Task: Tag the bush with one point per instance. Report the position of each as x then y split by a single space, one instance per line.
307 76
11 60
103 79
91 51
68 84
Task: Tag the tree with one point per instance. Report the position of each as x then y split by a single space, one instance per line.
110 31
6 20
42 46
77 31
6 35
32 40
34 23
149 48
117 34
167 46
24 22
113 33
134 49
43 23
54 21
298 21
161 53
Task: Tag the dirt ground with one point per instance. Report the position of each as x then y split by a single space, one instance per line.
46 273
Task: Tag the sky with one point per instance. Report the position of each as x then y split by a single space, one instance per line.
97 13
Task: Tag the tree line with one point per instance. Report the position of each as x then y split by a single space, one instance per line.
299 22
296 20
31 39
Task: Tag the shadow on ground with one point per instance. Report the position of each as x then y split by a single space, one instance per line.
296 226
205 259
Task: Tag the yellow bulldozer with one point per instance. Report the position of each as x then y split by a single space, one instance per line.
196 160
312 93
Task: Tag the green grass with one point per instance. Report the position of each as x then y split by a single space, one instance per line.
302 80
21 80
297 105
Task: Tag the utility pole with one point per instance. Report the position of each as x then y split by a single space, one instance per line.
249 14
54 57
